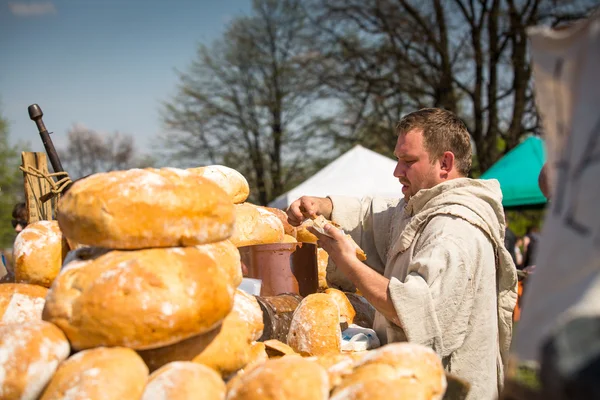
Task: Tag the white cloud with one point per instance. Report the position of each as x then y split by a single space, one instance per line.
22 9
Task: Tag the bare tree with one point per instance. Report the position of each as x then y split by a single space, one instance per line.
247 102
469 56
88 152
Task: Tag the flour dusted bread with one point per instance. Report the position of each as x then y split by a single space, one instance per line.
231 349
415 370
38 253
141 299
227 256
141 208
184 381
383 389
256 225
347 312
287 227
101 373
287 378
315 327
29 355
231 181
336 365
21 302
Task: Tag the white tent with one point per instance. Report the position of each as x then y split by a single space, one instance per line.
359 172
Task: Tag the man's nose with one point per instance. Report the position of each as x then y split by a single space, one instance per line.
399 171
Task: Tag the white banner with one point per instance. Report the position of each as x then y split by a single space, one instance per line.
566 283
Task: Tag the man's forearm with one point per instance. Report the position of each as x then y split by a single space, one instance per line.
373 286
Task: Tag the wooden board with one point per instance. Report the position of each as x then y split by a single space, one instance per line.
36 187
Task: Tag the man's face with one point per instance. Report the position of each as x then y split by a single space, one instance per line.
415 170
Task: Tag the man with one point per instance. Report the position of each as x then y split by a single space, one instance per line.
438 272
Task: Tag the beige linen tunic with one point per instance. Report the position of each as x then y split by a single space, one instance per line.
452 282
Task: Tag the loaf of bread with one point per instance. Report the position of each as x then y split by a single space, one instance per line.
275 348
29 355
304 235
315 327
287 378
337 366
322 261
413 369
230 351
319 224
255 225
227 256
184 350
347 311
287 227
21 302
142 208
38 253
184 381
383 389
100 373
258 354
228 179
140 299
289 239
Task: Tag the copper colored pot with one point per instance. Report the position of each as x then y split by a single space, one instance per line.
282 267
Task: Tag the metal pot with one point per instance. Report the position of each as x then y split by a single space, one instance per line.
282 267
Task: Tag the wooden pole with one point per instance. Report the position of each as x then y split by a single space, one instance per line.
36 187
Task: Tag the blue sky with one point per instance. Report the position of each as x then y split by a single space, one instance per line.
105 64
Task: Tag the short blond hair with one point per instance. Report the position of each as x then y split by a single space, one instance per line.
442 131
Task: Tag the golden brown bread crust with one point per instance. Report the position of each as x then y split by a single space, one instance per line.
227 256
184 381
230 351
347 312
29 355
255 225
275 348
287 227
304 235
290 377
231 181
383 389
322 261
315 327
21 302
38 253
100 373
141 299
184 350
142 208
336 365
402 363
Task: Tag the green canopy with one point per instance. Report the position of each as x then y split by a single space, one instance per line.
518 174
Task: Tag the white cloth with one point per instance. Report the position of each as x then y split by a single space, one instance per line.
566 283
452 281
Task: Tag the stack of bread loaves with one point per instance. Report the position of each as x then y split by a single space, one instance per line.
159 272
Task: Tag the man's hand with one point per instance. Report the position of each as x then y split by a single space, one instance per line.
308 207
339 247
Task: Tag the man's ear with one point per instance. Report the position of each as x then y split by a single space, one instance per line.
447 162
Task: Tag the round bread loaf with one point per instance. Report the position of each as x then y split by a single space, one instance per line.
315 327
29 355
227 256
289 239
304 235
231 349
322 261
228 179
336 365
38 253
140 299
347 312
184 381
287 378
184 350
101 373
21 302
383 389
403 363
255 225
287 227
142 208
